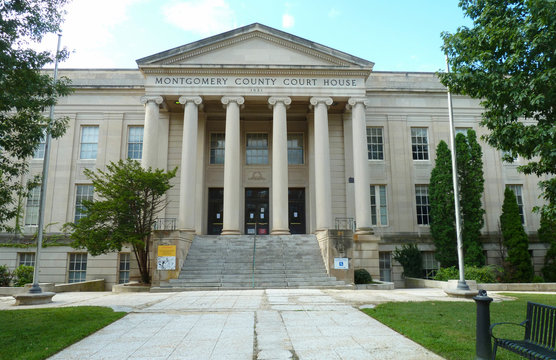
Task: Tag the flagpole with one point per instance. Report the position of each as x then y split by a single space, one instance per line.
462 285
36 289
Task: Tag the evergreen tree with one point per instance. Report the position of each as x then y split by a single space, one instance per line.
471 188
442 211
547 234
515 240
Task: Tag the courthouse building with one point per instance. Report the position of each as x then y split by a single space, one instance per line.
271 134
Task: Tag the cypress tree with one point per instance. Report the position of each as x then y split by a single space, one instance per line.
471 186
442 213
515 240
547 234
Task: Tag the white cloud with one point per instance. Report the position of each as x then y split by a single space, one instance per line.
88 29
287 21
333 13
205 18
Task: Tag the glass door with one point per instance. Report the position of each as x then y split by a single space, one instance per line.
296 210
256 211
215 211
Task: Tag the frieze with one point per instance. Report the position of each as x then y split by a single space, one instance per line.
265 82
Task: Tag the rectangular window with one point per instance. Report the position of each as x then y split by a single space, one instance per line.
257 149
217 142
82 192
420 143
89 142
26 258
375 143
77 267
295 149
135 142
39 151
422 202
123 275
430 265
379 209
518 191
384 261
32 207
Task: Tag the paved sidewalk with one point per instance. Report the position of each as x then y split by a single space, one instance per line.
244 324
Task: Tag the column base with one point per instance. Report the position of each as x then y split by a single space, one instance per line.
280 232
230 232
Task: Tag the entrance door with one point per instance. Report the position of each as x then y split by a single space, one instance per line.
256 211
215 211
296 210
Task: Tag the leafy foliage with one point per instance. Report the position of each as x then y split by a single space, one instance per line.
507 60
471 185
442 210
516 241
5 276
362 276
547 235
483 275
23 274
129 198
26 94
411 260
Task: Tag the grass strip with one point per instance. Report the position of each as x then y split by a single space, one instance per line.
448 328
40 333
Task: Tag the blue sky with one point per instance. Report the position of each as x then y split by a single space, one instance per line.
397 35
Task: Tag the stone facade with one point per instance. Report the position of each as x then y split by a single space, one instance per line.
275 97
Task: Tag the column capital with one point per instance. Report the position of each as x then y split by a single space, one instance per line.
273 100
154 98
228 99
357 100
197 100
318 99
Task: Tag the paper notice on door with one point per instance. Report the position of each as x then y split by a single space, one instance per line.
262 215
295 214
218 215
251 216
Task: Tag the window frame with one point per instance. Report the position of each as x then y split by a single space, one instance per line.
126 262
135 142
41 148
292 149
385 257
217 149
423 217
82 271
519 199
79 200
23 258
427 258
380 205
82 143
379 152
420 150
265 150
32 212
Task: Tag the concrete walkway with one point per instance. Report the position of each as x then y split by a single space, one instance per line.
244 324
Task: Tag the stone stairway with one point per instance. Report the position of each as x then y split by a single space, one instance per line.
247 261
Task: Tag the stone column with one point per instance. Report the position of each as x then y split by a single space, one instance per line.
323 193
280 224
232 165
360 165
150 131
188 165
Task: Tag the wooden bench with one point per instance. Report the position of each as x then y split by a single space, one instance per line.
540 334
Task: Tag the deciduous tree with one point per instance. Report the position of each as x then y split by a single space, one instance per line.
26 93
128 198
507 59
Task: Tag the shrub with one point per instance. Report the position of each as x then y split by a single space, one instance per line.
23 275
485 274
362 276
5 275
410 258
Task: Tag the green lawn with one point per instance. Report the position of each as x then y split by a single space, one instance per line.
448 328
39 333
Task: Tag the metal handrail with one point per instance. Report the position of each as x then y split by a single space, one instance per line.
345 224
164 224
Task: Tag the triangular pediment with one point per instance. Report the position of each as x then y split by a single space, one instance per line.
255 45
